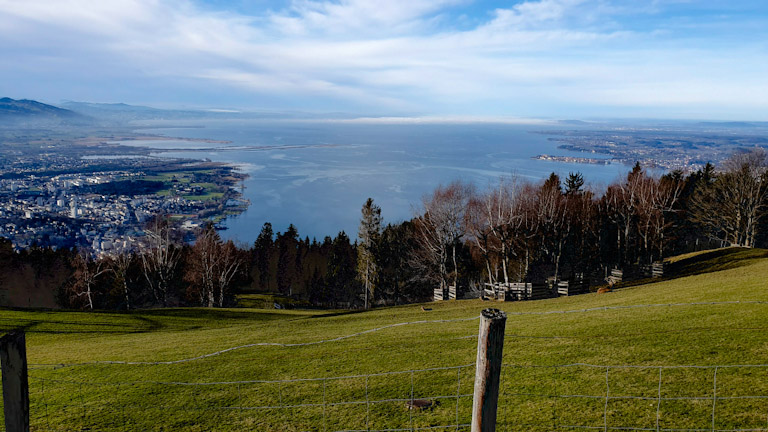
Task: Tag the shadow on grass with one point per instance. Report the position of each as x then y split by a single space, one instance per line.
715 260
212 314
138 321
705 262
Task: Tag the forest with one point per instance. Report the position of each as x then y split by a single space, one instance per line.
463 236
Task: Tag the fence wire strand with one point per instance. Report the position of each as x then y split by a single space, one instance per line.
389 326
77 401
609 396
510 391
245 409
252 345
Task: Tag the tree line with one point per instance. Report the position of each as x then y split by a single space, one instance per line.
463 236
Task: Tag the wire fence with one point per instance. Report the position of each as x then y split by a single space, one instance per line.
253 345
423 399
635 397
396 325
577 396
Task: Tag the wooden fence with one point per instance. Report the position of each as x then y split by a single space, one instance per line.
529 291
655 270
448 293
615 277
516 291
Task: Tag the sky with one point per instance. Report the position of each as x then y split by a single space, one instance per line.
562 59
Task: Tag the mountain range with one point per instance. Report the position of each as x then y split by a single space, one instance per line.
25 108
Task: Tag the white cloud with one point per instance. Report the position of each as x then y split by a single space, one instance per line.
389 55
362 17
532 14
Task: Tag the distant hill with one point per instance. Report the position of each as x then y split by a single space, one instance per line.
734 124
30 108
114 110
573 122
121 112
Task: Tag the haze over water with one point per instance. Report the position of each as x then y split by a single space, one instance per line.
318 175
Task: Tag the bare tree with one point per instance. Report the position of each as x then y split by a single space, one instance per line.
618 205
653 199
478 227
553 222
87 271
527 230
119 264
214 264
229 264
731 207
500 210
160 255
442 226
666 199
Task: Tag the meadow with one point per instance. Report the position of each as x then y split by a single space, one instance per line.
609 361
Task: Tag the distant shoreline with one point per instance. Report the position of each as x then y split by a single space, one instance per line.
574 159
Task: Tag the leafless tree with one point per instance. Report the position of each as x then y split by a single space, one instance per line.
160 255
492 222
653 199
441 227
527 231
551 212
619 205
731 208
214 264
87 271
667 197
119 264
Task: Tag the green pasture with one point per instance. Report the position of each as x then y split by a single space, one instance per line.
362 382
211 191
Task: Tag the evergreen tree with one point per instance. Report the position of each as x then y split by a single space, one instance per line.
552 183
574 183
287 247
341 278
367 262
262 248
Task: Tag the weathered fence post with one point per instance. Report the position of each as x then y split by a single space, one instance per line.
490 344
13 361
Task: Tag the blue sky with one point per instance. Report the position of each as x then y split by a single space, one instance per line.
423 58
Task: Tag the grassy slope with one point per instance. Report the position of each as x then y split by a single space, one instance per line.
664 335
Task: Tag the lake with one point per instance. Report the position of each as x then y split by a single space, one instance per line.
317 175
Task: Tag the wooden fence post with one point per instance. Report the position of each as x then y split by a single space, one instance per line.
490 344
13 361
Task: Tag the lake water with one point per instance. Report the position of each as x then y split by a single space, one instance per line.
318 175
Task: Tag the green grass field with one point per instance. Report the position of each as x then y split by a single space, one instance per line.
211 191
255 388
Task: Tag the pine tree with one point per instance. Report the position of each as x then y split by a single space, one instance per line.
263 249
368 233
287 273
574 183
553 183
